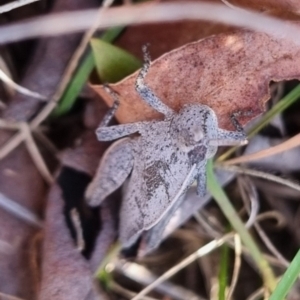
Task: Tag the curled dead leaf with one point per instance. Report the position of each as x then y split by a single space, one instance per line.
65 272
229 72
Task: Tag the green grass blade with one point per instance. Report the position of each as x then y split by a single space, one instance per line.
221 198
113 63
285 102
223 273
76 84
111 34
288 279
81 76
101 273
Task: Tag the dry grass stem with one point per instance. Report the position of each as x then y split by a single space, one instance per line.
8 81
209 229
11 144
19 211
191 258
270 245
9 125
257 295
249 194
275 215
6 69
143 276
45 141
285 146
74 216
63 23
15 4
260 174
253 208
237 265
35 153
125 292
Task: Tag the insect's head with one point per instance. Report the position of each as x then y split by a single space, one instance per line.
193 126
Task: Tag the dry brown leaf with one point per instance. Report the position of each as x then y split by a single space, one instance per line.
19 275
269 5
85 158
65 272
164 37
109 214
228 72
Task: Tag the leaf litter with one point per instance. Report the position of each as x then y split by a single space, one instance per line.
176 80
227 72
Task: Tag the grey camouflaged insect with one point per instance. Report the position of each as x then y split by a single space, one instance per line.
162 159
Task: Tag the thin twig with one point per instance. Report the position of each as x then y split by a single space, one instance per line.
15 4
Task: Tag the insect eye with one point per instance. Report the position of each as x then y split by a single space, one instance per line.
198 135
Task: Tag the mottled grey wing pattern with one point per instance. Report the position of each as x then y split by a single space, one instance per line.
113 170
158 174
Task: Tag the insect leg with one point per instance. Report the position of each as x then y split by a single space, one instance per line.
117 131
111 112
229 138
145 92
105 133
114 168
232 138
201 181
236 123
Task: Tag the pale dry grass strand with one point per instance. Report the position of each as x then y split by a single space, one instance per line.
63 23
285 146
15 4
236 267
